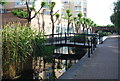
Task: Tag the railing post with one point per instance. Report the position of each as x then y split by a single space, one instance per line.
93 43
84 38
61 38
65 38
91 46
58 38
88 48
74 38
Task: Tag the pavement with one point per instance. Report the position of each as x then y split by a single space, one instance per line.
103 63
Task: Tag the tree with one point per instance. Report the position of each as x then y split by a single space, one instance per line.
3 2
29 11
115 16
79 22
69 15
84 23
88 20
52 14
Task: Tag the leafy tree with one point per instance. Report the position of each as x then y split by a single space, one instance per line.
52 14
69 15
83 23
115 16
27 14
3 2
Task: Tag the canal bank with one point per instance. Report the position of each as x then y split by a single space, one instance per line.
103 64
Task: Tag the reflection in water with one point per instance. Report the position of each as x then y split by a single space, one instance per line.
63 63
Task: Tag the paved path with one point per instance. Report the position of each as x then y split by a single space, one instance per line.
103 64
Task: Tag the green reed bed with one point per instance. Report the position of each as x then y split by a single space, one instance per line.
18 43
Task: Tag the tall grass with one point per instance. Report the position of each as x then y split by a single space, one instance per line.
18 43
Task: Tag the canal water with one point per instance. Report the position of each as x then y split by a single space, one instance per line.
62 62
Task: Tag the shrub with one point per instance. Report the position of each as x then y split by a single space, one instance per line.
79 38
20 13
101 34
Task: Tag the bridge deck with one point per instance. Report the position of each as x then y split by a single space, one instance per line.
70 44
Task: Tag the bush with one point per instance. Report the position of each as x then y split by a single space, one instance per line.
79 38
20 13
101 34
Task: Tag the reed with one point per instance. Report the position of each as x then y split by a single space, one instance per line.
18 43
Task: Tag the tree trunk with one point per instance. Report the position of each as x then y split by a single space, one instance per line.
43 22
52 20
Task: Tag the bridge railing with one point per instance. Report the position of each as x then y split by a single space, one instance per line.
68 36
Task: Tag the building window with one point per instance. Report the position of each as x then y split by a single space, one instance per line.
17 3
77 8
2 10
76 14
85 9
47 12
77 3
65 2
85 15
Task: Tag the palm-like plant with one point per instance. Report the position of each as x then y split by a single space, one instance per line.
69 15
78 21
88 23
84 23
3 2
52 14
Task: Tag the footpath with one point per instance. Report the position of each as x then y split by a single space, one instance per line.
103 63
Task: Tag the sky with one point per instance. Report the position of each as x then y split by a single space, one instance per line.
100 11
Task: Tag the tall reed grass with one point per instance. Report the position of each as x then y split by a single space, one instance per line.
18 43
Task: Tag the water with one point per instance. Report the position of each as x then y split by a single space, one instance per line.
62 64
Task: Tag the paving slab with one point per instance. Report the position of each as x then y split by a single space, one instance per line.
103 64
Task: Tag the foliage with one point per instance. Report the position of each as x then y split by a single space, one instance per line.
20 13
40 50
79 38
16 47
115 16
57 15
26 14
109 25
101 34
52 5
69 19
18 43
52 14
3 2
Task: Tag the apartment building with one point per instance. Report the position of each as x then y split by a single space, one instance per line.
76 6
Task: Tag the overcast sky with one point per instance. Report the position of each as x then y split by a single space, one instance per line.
100 11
